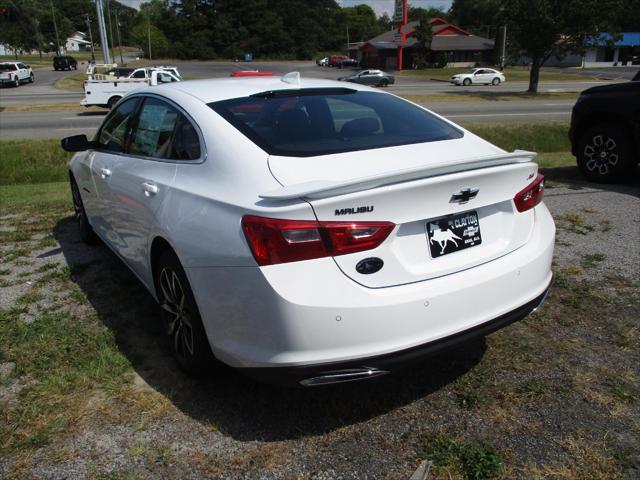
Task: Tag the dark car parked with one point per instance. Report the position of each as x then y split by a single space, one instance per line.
64 62
605 131
348 62
377 78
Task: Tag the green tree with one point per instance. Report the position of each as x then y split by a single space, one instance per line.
544 28
145 35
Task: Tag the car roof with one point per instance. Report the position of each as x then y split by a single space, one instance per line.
217 89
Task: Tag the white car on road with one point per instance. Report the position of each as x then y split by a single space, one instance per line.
483 76
309 232
15 73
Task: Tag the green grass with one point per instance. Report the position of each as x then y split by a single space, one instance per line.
537 137
476 461
71 82
492 96
15 198
513 74
32 161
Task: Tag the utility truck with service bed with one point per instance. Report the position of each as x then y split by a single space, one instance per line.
105 91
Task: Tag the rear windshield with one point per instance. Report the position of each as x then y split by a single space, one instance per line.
304 123
7 67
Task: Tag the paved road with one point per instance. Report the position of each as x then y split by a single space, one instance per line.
61 124
43 90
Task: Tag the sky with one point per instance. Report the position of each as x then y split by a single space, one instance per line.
380 6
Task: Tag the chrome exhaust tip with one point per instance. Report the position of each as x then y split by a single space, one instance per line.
342 376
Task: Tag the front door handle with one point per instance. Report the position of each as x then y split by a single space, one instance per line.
105 172
150 189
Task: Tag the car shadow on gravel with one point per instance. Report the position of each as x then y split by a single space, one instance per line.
237 406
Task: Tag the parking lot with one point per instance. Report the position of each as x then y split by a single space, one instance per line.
89 389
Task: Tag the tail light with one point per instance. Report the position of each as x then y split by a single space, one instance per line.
9 76
274 240
530 196
84 84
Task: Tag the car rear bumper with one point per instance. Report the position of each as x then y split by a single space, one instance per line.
309 315
367 368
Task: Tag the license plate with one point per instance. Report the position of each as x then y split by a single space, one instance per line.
453 233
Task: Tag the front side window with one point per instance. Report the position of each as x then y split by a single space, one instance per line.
324 121
139 74
152 136
113 134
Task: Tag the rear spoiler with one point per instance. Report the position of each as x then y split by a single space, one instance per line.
329 188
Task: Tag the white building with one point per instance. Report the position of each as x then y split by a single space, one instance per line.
77 43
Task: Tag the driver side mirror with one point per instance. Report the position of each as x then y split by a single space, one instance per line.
76 143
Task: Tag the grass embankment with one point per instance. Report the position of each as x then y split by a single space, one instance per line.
71 82
512 74
38 161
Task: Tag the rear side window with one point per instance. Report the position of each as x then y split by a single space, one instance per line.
152 136
303 123
114 132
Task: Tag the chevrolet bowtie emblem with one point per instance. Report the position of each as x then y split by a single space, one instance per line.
464 195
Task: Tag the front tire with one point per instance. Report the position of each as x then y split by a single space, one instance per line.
181 317
605 153
383 83
16 82
31 78
87 234
466 82
495 82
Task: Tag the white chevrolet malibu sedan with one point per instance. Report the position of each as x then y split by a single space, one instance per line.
310 233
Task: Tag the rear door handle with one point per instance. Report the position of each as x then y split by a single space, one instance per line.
105 172
150 189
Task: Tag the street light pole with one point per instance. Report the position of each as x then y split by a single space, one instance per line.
55 27
103 33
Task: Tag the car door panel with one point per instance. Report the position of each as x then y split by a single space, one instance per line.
141 181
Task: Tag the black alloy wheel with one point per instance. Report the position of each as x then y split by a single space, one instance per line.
605 153
86 231
181 317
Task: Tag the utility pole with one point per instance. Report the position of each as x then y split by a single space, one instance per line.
103 32
504 48
118 32
110 29
149 35
55 27
93 52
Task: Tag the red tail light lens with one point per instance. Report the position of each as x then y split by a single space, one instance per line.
274 240
530 196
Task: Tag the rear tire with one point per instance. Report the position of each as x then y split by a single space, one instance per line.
181 317
466 82
605 153
112 102
87 234
16 82
495 82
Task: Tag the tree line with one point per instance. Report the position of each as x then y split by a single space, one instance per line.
44 25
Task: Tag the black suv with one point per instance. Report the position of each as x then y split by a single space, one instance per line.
605 131
63 62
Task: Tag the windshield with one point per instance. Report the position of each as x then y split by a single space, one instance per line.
303 123
7 67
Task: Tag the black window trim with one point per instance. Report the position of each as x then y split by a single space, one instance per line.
133 122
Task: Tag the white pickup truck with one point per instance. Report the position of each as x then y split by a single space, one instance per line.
107 91
15 73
